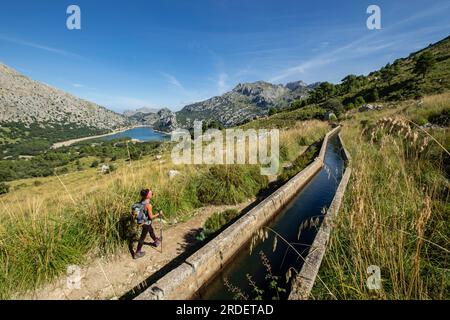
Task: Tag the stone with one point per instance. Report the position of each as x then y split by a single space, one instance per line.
173 173
104 168
369 107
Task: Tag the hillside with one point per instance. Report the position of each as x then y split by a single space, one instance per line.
34 115
28 101
421 73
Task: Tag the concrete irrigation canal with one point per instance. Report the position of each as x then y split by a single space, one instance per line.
307 202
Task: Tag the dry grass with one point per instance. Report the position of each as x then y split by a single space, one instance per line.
396 210
300 136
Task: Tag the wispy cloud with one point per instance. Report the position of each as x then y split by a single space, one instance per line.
77 85
364 46
189 95
171 79
39 46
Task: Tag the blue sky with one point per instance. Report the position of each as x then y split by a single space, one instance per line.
130 54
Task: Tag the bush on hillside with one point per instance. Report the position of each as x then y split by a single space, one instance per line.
230 184
4 188
94 164
216 222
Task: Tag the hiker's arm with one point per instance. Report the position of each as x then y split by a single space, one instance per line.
150 212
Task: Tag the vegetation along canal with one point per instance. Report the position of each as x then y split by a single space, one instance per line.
309 205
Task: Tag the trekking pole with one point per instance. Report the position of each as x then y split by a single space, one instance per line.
160 230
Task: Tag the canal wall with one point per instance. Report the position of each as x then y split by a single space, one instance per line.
185 280
304 281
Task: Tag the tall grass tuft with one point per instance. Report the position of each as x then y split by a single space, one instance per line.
230 184
395 215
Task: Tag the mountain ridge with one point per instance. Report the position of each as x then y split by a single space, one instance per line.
246 101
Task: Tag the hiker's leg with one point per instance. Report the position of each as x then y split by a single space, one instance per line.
142 238
152 233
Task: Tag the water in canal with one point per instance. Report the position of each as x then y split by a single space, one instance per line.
310 202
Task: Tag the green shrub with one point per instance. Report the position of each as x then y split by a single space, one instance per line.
4 188
350 106
230 214
216 222
37 183
374 96
94 164
420 120
335 105
284 152
440 118
359 101
181 197
229 184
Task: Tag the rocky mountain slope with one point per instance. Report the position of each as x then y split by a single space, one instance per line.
245 102
27 101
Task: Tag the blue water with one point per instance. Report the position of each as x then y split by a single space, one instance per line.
142 134
310 201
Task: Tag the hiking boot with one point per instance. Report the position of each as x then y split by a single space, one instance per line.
157 242
138 255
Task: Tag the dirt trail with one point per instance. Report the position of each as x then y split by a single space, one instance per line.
112 278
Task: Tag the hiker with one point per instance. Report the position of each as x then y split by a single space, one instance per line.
146 222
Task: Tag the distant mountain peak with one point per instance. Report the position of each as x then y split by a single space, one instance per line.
144 110
296 85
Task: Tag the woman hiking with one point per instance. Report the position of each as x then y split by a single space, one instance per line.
146 223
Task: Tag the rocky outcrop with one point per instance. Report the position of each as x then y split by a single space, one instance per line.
167 120
370 107
162 120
